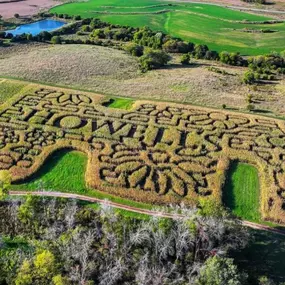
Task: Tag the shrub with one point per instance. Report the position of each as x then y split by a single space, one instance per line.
232 58
44 36
85 28
16 15
211 55
56 40
77 18
200 51
29 37
185 59
134 49
249 98
249 77
176 46
250 107
98 33
153 59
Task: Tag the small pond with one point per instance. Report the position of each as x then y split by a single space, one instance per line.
37 27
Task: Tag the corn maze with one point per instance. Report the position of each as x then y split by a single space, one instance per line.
156 153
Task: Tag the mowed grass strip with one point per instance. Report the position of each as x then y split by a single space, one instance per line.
120 103
241 191
9 88
64 171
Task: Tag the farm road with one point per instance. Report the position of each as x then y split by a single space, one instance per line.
131 208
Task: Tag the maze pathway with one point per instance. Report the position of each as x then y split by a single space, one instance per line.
157 152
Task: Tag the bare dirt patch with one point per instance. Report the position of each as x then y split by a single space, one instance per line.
25 8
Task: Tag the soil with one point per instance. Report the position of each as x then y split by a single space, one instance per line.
24 8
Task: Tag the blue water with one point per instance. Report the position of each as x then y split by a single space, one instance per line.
37 27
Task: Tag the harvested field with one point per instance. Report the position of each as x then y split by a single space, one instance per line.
24 8
113 72
155 152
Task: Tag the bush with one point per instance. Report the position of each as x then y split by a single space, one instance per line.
211 55
85 28
134 49
250 107
200 51
185 59
153 59
232 58
249 98
77 18
249 77
176 46
271 61
29 37
56 40
99 34
44 36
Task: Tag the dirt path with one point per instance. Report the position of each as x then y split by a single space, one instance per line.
130 208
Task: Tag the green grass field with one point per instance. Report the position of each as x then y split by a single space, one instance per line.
215 26
120 103
241 192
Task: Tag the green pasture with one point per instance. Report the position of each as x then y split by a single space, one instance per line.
120 103
241 191
218 27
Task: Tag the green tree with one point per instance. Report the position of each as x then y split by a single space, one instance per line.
220 271
42 271
56 40
248 77
5 183
24 276
153 59
185 59
59 280
44 265
200 51
134 49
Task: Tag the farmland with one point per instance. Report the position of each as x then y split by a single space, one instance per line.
154 152
113 72
220 28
